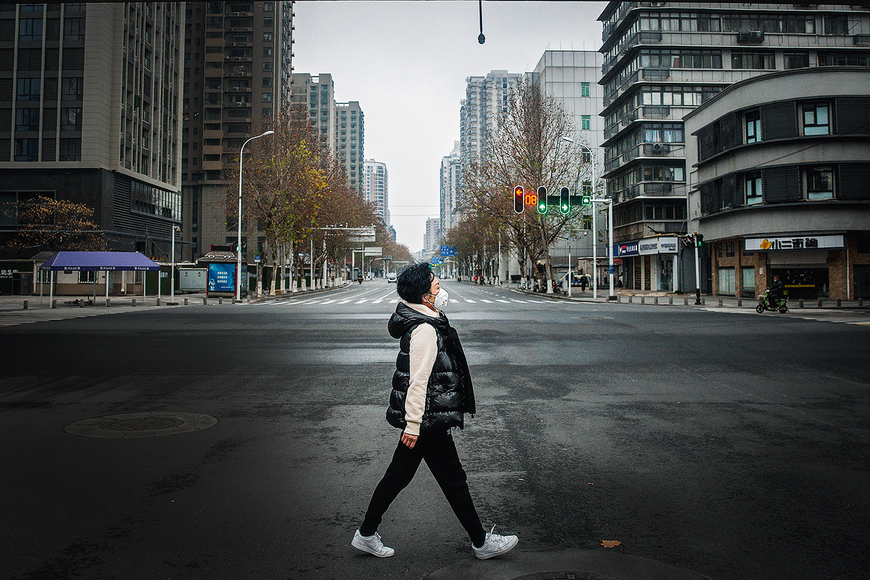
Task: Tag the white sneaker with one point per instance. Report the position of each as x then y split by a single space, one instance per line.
371 544
495 545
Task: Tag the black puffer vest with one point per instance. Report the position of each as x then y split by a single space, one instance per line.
450 393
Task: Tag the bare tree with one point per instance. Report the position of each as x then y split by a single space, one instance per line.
528 149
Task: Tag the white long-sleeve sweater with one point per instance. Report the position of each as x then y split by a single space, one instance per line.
422 354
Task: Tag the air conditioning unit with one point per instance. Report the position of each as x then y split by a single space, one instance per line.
742 38
660 148
756 36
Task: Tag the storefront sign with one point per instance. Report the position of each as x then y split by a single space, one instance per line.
625 249
657 246
799 242
661 245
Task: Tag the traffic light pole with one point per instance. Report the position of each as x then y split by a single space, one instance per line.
697 277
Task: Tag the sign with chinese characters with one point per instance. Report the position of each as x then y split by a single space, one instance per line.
221 277
447 251
662 245
797 242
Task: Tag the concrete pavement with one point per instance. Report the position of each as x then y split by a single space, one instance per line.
603 564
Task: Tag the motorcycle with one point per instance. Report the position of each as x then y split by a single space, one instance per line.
764 304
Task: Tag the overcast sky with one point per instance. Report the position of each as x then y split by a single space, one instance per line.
406 63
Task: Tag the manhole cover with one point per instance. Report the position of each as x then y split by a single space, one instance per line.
128 425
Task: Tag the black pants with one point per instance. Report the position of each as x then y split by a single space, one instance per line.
438 450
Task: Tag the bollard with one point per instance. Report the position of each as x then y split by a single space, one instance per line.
25 304
670 300
134 302
685 301
619 299
220 300
631 298
643 299
820 302
703 302
82 304
54 303
720 302
656 300
839 303
108 302
739 302
860 302
185 301
205 301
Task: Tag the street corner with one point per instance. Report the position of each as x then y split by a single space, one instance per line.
564 565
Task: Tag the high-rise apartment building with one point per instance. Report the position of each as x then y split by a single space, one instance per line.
317 93
350 143
432 237
451 174
90 111
664 59
485 98
237 66
377 188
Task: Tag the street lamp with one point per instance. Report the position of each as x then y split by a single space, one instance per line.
609 202
239 241
172 283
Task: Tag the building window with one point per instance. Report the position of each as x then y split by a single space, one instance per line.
752 120
837 25
30 29
267 37
752 60
70 150
752 187
28 89
815 119
820 183
87 276
26 149
796 60
584 89
71 119
74 29
27 120
586 122
267 97
71 89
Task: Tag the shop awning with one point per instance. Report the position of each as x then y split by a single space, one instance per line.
99 261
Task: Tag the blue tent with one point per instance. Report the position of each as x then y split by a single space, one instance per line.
99 261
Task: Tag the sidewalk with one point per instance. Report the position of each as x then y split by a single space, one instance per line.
627 296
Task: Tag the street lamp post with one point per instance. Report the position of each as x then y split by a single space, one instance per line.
239 240
172 273
609 202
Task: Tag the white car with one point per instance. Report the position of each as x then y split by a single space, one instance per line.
391 277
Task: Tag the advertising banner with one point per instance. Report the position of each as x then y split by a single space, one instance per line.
221 277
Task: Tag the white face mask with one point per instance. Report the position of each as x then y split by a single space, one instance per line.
440 301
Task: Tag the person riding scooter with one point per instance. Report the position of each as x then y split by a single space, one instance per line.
776 292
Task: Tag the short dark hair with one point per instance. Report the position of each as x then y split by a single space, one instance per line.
415 282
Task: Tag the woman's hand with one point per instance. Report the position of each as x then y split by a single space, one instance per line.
409 440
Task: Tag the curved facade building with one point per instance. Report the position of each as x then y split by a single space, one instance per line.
779 183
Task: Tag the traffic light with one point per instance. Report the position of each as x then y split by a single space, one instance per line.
586 199
542 200
519 199
699 239
564 201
